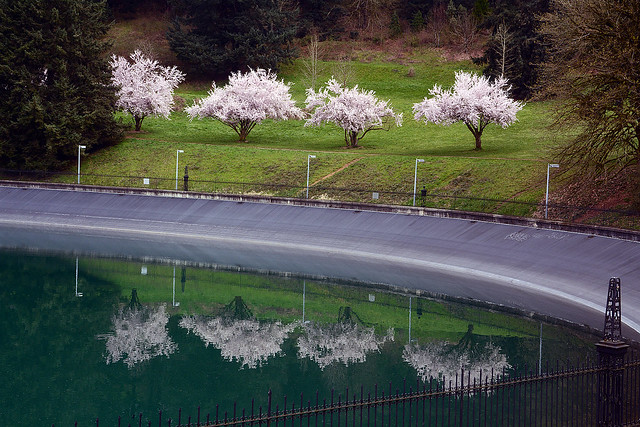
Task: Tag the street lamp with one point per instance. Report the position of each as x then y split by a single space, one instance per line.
309 157
177 155
80 147
415 180
546 203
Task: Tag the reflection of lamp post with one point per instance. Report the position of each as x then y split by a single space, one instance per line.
173 302
540 353
546 203
80 147
409 320
415 180
78 294
309 157
177 155
304 291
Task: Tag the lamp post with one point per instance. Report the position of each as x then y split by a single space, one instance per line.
415 180
177 156
80 147
309 157
546 203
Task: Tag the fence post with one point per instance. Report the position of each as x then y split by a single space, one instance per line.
611 351
186 178
269 410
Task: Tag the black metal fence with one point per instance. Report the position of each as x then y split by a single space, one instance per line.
588 215
566 396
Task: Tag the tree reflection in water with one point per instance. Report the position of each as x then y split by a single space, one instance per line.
345 343
246 341
441 360
138 334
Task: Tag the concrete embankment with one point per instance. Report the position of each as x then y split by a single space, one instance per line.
538 266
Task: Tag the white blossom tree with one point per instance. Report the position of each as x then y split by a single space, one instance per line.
144 87
440 360
248 341
138 335
355 110
246 101
474 100
340 342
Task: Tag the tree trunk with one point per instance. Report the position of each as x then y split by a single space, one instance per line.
244 128
138 120
478 141
243 134
353 137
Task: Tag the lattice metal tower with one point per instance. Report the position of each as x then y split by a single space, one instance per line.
613 313
611 351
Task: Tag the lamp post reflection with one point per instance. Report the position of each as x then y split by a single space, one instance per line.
304 295
173 300
78 294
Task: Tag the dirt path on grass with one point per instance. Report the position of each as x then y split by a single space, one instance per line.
336 171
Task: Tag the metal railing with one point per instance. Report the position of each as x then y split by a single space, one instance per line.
566 396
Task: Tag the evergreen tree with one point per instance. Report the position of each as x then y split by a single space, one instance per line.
481 9
217 37
395 29
417 22
409 8
323 17
55 90
525 50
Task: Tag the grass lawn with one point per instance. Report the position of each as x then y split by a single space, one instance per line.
511 166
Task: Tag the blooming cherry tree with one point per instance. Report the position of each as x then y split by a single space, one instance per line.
246 101
144 87
473 100
355 110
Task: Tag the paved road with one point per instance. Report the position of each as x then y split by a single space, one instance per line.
556 273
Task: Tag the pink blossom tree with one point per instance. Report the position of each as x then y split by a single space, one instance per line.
355 110
246 101
474 100
144 87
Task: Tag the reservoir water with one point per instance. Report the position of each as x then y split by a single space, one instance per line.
86 338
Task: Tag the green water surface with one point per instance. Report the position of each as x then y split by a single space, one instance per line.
58 333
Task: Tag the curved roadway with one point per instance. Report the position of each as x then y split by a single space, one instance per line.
557 273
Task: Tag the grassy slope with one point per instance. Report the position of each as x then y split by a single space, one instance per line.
511 164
